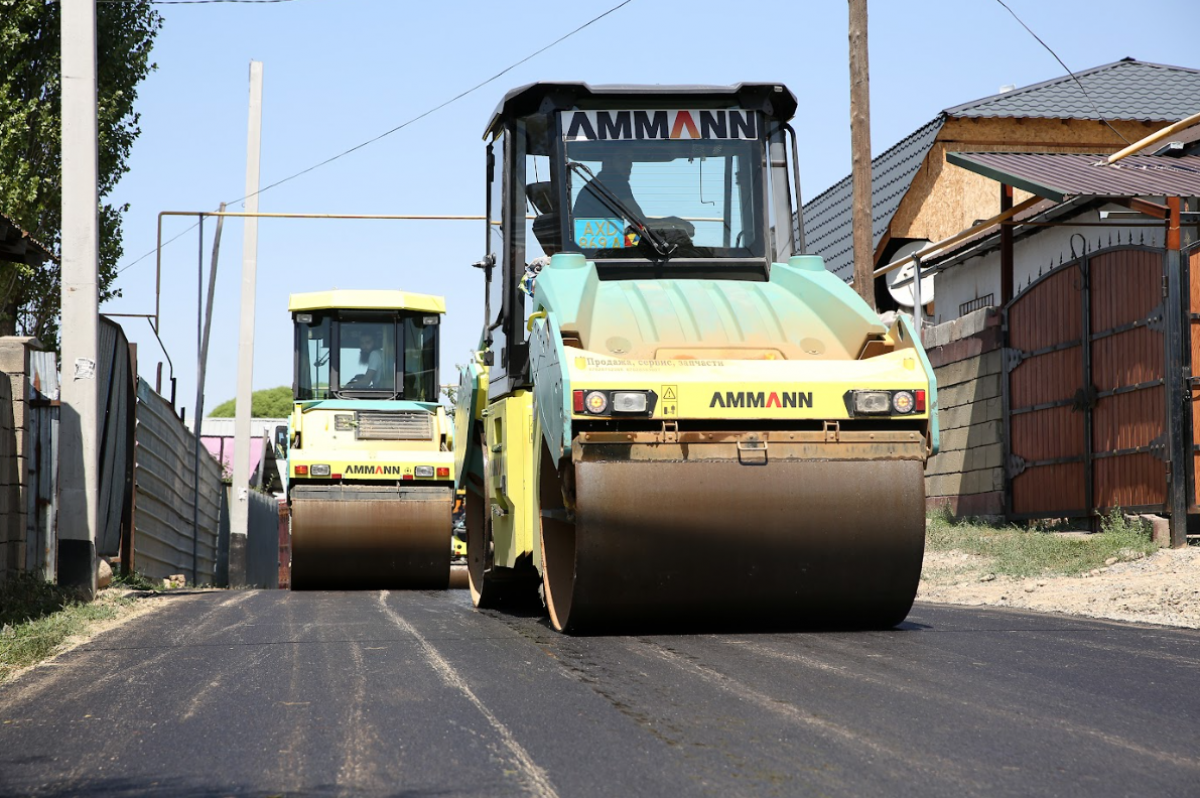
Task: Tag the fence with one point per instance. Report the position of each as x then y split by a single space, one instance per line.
263 554
164 543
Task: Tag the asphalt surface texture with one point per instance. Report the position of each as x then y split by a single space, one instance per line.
271 693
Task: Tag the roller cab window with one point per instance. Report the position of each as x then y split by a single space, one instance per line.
366 356
660 185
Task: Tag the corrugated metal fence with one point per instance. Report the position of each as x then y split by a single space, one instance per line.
164 494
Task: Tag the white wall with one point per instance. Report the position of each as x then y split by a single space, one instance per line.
1038 252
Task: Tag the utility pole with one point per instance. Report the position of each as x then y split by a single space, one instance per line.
239 509
79 460
860 153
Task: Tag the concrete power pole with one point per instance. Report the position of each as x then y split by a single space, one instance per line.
860 148
79 461
239 510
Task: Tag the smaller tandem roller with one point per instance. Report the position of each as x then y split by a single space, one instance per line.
370 466
680 418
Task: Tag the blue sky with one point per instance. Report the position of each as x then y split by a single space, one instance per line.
339 72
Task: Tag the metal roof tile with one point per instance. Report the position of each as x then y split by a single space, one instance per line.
1126 89
828 217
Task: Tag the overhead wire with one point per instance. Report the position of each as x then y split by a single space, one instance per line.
401 126
1050 50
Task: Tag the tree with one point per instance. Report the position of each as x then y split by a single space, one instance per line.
267 403
31 144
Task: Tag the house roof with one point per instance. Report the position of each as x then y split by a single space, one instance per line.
1062 176
18 246
828 228
1126 89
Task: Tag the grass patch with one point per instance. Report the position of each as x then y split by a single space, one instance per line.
36 618
137 581
1017 552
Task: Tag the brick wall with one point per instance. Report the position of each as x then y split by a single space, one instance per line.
968 472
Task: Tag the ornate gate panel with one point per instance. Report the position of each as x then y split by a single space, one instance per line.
1084 403
1043 365
1128 411
1193 322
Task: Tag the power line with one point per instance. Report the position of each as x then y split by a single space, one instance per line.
399 127
436 108
1064 66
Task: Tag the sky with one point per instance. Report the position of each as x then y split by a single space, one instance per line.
338 73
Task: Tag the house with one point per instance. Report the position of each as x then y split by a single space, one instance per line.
1076 397
919 197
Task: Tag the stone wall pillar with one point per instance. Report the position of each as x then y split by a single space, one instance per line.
14 462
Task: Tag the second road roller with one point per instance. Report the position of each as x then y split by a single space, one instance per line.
370 462
678 417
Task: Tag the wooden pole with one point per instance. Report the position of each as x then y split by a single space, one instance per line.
860 149
1006 247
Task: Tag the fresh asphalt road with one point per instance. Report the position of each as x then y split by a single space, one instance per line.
270 693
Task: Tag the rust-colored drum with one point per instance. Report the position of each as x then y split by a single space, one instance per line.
364 537
710 542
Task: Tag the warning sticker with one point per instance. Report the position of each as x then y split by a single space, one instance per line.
670 401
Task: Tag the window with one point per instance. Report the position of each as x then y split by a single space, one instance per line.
420 360
313 349
703 196
368 355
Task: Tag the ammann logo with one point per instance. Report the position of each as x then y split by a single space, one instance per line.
378 470
779 399
660 125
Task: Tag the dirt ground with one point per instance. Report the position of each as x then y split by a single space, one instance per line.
1163 588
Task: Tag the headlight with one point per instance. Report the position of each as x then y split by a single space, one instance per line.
423 471
596 402
872 403
902 402
343 422
319 470
629 401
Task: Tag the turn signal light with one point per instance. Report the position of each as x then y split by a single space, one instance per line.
301 470
443 473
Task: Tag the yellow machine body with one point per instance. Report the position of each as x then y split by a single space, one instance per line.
370 460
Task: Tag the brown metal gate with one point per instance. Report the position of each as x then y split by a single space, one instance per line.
1192 259
1084 401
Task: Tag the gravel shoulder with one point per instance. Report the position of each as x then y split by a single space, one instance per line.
1163 588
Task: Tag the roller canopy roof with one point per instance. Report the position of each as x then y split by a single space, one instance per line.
366 300
773 99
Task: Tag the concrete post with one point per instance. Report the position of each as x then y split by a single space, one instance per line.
79 463
239 509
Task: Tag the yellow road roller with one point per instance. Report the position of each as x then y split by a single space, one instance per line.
677 418
370 461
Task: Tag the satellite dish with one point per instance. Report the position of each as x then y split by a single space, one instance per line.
904 294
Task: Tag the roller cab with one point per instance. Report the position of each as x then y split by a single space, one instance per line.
370 461
688 421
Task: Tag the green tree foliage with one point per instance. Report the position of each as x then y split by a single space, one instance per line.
267 403
31 143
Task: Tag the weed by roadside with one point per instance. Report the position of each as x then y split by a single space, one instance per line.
1017 552
137 581
36 618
